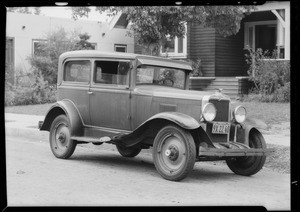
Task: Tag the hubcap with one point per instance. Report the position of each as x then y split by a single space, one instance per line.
172 153
62 136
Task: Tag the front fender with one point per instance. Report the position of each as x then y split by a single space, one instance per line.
184 121
249 126
149 129
68 108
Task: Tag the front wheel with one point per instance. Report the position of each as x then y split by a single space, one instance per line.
62 146
174 153
247 166
128 152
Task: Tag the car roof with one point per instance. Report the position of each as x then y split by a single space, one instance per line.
142 59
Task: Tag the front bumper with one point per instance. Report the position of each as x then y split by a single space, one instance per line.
214 152
233 144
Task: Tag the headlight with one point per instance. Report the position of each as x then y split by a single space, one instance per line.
239 114
209 112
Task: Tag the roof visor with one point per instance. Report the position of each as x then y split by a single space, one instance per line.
161 62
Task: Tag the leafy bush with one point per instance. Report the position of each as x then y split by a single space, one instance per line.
271 77
46 58
29 89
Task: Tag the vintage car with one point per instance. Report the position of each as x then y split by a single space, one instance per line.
139 102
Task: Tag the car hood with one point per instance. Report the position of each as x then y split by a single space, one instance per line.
165 92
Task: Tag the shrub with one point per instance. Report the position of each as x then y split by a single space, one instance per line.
58 42
271 77
30 89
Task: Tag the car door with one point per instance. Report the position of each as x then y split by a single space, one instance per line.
110 94
75 85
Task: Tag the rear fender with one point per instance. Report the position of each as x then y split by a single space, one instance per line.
69 109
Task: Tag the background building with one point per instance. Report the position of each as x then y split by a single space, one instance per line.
25 31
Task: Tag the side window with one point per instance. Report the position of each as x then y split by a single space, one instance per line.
112 72
77 71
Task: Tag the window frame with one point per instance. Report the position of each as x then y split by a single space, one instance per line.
95 45
36 41
99 84
175 54
76 82
252 25
120 46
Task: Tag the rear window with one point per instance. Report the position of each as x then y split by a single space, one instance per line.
77 71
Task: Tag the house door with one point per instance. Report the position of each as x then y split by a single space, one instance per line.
265 37
9 61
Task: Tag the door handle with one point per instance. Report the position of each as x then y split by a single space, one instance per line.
90 92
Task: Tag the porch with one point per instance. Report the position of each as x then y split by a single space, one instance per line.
234 87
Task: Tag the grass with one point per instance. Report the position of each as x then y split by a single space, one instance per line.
270 113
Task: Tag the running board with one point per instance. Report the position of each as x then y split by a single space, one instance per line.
91 139
234 152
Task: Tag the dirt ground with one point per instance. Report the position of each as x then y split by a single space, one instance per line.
279 134
99 177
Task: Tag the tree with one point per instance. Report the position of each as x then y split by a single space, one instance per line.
47 53
150 25
26 10
83 42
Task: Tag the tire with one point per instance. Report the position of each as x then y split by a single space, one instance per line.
128 152
250 165
62 146
174 153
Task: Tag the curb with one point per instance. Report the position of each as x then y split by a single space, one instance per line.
31 133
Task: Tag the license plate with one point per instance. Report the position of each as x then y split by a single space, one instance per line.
221 128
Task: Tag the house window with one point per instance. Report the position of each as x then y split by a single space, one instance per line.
120 48
94 46
169 45
175 48
38 46
264 35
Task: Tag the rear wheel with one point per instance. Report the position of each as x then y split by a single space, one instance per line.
174 153
128 152
62 146
250 165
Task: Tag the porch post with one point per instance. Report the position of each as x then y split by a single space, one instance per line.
287 33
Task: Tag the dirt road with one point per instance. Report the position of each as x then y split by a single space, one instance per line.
97 177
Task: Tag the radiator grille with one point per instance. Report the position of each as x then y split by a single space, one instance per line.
222 107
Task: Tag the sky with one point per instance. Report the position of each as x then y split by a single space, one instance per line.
65 12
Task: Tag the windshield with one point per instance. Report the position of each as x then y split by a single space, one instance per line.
155 75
